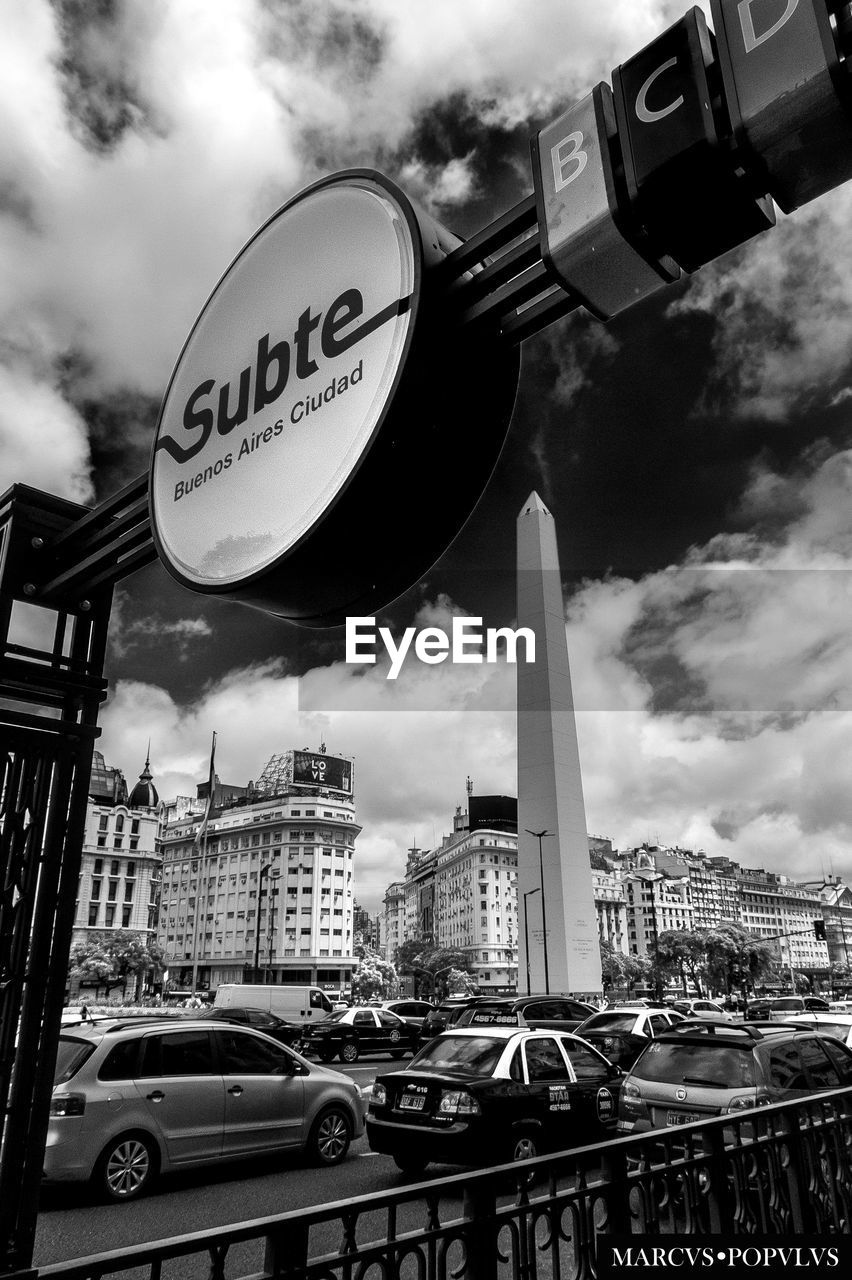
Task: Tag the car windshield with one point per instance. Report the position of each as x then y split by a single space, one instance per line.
722 1066
337 1016
471 1055
70 1057
610 1022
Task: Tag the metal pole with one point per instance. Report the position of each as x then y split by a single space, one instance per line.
272 893
540 835
528 894
263 871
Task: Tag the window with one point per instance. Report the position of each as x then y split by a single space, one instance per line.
112 890
247 1055
110 917
96 890
131 870
102 822
120 1062
588 1066
126 913
114 867
99 866
544 1061
785 1069
178 1053
93 913
816 1062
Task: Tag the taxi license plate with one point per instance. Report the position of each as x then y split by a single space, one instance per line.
680 1117
412 1102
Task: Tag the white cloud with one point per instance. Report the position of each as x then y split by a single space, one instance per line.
741 748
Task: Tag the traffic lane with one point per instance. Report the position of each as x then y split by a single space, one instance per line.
72 1224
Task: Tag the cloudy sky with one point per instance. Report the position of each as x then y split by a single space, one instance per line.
695 452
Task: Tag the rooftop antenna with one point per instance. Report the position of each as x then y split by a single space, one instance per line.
469 786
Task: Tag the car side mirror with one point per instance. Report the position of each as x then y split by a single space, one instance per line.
616 1072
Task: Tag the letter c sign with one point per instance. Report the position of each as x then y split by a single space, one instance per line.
643 111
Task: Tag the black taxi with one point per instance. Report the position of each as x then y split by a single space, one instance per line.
486 1095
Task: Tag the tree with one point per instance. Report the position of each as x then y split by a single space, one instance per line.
683 952
111 957
736 957
432 966
375 978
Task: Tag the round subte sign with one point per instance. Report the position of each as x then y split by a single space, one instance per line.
303 407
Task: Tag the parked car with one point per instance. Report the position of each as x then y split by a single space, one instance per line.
701 1008
446 1014
354 1032
560 1013
703 1069
834 1024
621 1048
490 1095
630 1019
134 1098
289 1033
780 1008
411 1011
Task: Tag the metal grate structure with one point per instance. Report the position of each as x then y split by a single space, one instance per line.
780 1172
51 674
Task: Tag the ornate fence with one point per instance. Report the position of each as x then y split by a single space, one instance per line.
783 1170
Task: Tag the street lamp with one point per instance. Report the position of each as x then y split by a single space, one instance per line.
528 893
539 835
264 871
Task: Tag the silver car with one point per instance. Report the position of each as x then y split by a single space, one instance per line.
133 1098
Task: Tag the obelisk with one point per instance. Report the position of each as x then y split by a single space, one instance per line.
554 874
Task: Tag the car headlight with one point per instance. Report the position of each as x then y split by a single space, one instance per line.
379 1096
457 1102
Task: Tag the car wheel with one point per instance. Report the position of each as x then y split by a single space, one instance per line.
330 1136
349 1052
410 1164
127 1167
523 1147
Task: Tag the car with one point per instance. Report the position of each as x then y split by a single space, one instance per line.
701 1008
834 1024
445 1015
490 1095
621 1048
780 1008
135 1098
289 1033
411 1011
559 1013
353 1032
631 1019
702 1069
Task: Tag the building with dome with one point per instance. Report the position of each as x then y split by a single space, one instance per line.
119 882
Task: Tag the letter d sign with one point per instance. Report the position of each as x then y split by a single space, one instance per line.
788 94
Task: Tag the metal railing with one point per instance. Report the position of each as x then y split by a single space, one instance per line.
780 1170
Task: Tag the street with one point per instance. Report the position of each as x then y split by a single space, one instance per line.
72 1224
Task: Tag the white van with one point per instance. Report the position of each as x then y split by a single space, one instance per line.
293 1004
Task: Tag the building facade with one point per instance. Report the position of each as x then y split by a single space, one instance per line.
119 881
264 890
